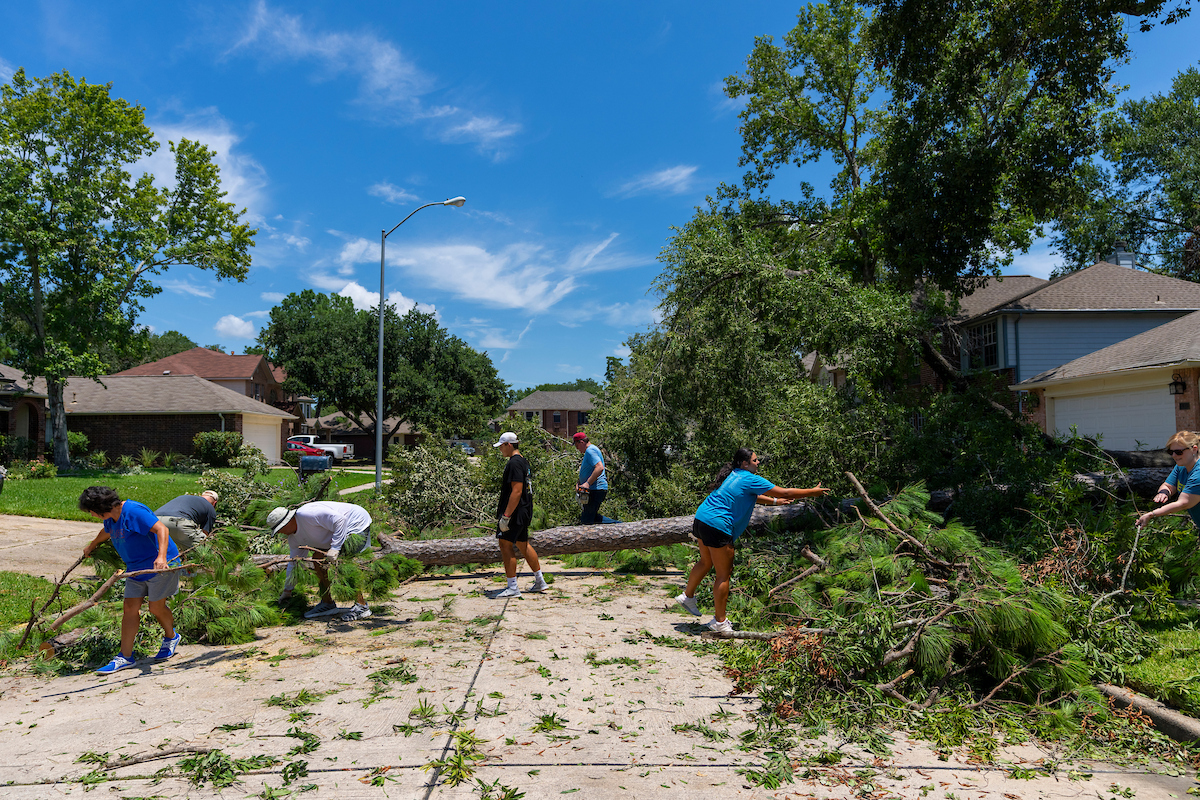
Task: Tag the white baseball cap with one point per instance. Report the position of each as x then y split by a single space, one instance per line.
279 517
508 437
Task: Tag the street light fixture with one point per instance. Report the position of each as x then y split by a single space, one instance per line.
457 202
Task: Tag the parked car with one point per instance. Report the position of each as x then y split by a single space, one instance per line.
335 449
300 448
464 446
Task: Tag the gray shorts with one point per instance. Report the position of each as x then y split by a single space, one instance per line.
159 587
184 532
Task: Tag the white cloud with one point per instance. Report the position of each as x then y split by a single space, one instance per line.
187 287
519 276
569 369
497 339
272 297
392 193
595 257
242 178
234 327
6 71
390 85
364 300
622 352
356 251
636 314
673 180
257 314
298 242
492 215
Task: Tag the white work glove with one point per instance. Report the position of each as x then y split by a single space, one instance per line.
504 524
332 553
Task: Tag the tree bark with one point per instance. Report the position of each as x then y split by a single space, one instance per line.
580 538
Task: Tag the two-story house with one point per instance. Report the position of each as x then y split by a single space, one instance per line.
560 413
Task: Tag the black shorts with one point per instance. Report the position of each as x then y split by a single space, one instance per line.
710 536
514 533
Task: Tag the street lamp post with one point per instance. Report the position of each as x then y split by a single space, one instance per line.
457 202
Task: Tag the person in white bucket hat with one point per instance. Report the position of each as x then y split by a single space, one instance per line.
333 528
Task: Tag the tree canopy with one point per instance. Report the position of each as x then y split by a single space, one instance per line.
83 238
432 380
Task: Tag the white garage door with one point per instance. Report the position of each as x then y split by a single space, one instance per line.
1124 418
263 432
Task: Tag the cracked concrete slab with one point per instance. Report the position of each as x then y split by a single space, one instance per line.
574 692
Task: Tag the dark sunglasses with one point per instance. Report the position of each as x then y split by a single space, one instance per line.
1178 452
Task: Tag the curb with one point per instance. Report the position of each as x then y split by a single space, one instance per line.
1178 726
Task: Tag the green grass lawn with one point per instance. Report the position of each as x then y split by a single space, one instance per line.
17 591
57 498
1172 673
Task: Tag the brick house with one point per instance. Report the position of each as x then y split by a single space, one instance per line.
163 412
249 375
560 413
22 408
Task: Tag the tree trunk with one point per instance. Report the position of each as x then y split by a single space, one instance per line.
58 422
580 538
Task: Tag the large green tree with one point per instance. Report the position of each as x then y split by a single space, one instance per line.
1146 192
432 380
83 238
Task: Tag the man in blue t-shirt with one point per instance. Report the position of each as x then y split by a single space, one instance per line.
592 480
143 543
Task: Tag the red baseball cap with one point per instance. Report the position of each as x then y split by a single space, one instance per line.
580 437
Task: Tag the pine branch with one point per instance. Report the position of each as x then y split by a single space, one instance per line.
79 608
34 617
877 512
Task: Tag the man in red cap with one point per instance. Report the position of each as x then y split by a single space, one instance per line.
592 481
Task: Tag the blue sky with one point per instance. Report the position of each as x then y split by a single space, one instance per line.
579 134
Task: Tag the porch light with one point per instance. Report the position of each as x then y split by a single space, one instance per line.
1176 386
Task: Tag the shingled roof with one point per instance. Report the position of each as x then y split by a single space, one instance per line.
996 292
160 394
1100 287
1174 343
12 381
554 401
201 361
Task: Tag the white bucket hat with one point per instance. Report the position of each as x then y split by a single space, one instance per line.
279 517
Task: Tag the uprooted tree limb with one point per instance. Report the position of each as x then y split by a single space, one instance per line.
79 608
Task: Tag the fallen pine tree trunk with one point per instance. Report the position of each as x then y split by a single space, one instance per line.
569 539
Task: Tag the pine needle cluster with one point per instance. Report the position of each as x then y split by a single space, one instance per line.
911 608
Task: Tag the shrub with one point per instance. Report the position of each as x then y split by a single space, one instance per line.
127 466
5 448
251 459
217 448
235 492
22 449
98 459
31 470
77 444
148 457
433 486
291 458
170 459
186 465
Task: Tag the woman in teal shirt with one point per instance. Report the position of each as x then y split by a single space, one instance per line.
722 518
1184 447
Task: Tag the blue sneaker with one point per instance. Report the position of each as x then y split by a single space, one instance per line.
168 647
118 663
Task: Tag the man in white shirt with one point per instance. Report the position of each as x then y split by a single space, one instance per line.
329 527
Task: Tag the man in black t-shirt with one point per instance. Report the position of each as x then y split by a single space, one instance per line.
515 511
189 518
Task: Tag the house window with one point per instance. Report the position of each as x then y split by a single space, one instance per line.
557 418
583 417
529 416
982 347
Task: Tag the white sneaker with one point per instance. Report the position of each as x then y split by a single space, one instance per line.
321 610
689 603
724 626
539 585
508 591
357 611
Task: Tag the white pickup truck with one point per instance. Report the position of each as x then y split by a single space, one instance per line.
335 449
